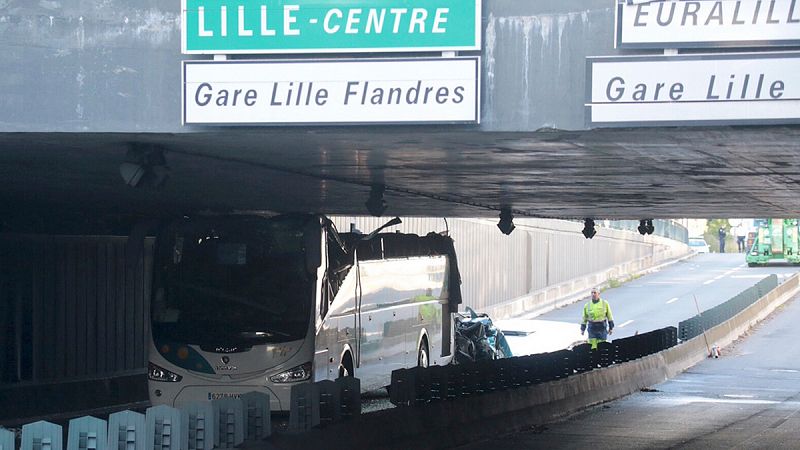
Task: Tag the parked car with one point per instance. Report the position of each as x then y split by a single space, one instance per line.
699 245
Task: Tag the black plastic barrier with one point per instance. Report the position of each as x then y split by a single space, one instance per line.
710 318
418 386
634 347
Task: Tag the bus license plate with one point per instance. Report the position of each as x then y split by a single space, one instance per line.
219 395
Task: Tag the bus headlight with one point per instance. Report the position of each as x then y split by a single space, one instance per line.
299 373
157 373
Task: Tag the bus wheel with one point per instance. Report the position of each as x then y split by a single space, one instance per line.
346 368
422 358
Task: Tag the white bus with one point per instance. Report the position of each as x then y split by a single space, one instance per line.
244 302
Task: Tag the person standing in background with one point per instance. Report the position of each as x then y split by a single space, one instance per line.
741 235
722 234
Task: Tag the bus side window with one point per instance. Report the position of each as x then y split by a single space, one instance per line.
325 298
339 264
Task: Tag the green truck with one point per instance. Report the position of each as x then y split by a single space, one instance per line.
775 240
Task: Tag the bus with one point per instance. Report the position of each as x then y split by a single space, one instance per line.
253 303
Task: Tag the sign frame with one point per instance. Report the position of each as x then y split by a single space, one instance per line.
619 44
590 124
476 108
476 46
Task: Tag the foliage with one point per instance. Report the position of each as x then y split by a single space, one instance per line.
712 237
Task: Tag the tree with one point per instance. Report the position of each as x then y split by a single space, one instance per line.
711 235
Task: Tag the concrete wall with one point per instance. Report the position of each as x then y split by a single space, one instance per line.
542 264
72 308
114 65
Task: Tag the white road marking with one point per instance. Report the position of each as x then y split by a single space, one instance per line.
685 400
738 396
626 323
672 300
709 281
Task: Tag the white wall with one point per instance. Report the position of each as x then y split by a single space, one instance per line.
542 261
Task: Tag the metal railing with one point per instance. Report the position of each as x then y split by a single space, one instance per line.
667 228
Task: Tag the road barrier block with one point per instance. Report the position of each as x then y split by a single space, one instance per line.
531 369
257 415
439 376
564 363
126 431
421 380
198 418
507 373
399 390
229 426
454 380
605 354
7 440
164 428
486 376
304 408
469 380
87 433
41 436
349 397
330 405
583 357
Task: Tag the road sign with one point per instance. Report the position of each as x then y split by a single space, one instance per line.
739 88
353 91
707 23
327 26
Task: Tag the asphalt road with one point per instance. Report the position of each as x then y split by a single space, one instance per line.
667 297
748 398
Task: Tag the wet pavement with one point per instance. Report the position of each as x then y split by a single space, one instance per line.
748 398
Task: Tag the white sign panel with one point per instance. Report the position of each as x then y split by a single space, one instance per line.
742 88
418 90
707 23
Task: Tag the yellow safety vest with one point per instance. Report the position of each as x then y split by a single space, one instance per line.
597 312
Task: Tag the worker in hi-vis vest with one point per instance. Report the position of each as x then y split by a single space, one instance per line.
597 314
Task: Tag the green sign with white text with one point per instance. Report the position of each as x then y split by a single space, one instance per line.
328 26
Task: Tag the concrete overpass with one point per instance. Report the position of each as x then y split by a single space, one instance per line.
88 86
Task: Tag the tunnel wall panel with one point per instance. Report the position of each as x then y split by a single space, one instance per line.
72 308
538 254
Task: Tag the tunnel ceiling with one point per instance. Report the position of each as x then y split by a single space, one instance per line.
426 171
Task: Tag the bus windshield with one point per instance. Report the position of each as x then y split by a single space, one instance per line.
232 281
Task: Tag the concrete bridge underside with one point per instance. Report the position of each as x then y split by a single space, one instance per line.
431 171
